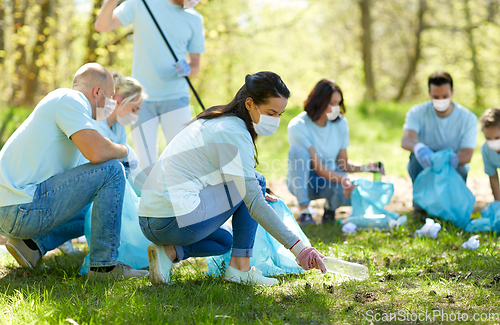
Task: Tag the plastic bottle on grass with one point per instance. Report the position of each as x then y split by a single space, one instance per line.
352 270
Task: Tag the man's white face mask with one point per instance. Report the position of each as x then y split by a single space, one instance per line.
189 4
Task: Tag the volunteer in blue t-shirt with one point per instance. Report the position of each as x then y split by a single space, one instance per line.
206 175
44 194
437 125
317 160
154 66
490 123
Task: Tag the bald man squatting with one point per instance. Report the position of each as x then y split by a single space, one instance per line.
44 196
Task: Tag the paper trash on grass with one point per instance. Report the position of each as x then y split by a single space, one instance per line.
430 229
349 228
472 243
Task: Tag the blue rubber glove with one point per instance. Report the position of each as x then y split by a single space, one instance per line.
423 155
182 68
454 161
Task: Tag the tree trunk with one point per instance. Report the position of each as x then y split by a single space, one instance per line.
20 52
2 29
91 55
366 43
476 71
31 77
3 127
412 66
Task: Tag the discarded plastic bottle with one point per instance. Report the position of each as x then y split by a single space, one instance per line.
368 220
352 270
377 177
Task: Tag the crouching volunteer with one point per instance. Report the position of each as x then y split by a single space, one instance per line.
317 160
439 124
206 175
44 195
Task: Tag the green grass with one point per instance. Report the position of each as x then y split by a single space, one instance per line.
406 275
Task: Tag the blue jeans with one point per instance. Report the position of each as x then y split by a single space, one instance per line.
414 168
171 114
57 213
306 185
208 236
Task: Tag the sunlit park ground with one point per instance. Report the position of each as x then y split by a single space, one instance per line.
412 281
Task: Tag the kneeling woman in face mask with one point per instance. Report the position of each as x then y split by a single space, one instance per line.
317 159
206 175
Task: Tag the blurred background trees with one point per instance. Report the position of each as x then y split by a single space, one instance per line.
376 50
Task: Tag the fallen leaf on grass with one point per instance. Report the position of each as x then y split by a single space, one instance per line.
71 321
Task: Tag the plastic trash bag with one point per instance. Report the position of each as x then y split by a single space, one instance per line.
430 229
368 201
133 244
269 255
472 243
490 220
442 192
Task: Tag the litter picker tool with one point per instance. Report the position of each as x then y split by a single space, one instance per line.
173 53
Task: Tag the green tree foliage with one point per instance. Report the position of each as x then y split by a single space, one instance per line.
42 43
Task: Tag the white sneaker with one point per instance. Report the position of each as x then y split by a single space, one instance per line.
253 276
68 249
159 265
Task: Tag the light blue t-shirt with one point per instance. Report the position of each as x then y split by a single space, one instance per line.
153 64
491 160
327 141
456 131
117 134
198 156
41 147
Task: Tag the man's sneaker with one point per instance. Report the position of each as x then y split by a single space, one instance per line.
159 265
25 256
121 271
253 276
306 219
328 217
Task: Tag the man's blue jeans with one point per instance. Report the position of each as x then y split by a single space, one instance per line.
209 236
306 185
414 168
57 213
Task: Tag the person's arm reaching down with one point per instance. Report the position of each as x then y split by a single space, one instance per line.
495 187
96 148
194 63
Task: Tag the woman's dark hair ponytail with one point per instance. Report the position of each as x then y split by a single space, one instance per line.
260 86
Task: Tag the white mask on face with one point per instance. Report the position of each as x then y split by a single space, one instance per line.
189 4
334 113
267 124
102 113
494 144
128 119
441 104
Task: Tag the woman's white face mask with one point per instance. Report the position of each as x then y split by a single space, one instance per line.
267 124
189 4
334 113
